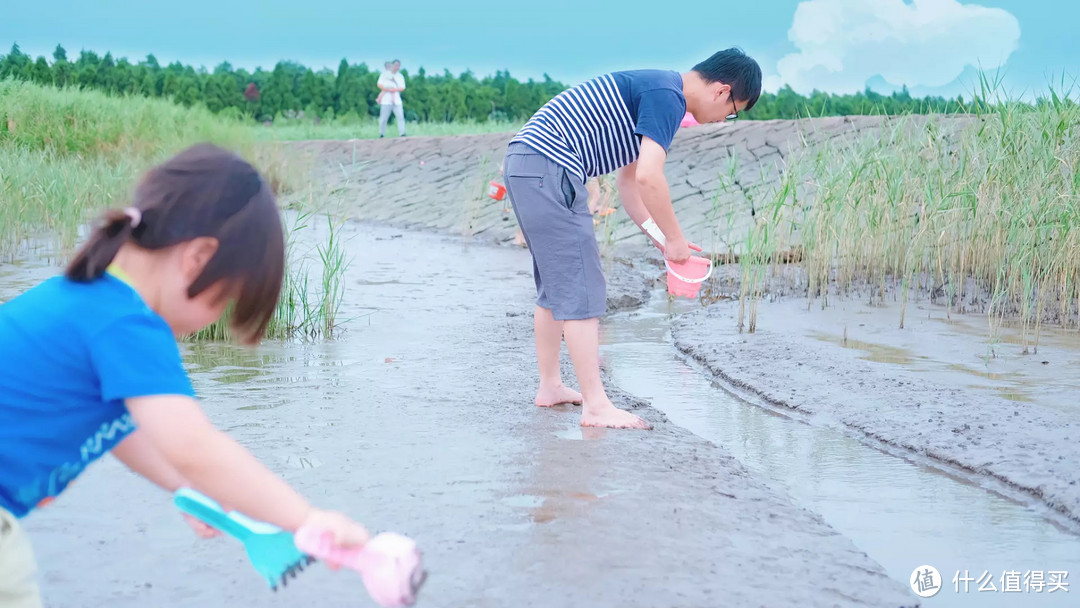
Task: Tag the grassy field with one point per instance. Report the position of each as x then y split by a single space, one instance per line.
986 217
66 155
304 129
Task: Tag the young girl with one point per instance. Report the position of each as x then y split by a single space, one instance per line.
89 361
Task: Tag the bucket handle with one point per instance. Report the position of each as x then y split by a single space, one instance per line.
686 280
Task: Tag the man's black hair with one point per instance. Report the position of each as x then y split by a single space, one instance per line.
733 67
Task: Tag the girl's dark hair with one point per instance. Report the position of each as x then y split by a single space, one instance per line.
733 67
204 191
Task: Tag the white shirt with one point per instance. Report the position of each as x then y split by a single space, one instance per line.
393 81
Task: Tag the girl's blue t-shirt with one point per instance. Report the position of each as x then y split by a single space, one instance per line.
70 354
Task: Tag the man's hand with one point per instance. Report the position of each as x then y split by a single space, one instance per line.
678 250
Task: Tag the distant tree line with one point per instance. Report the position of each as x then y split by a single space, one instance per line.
291 88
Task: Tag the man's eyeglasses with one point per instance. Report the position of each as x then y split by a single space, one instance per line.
734 109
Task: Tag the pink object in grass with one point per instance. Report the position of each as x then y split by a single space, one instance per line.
389 563
689 121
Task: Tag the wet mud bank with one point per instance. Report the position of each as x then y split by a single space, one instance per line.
629 285
418 419
442 182
1028 448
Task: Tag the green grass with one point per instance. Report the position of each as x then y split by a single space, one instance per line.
87 123
66 155
309 306
986 217
341 129
43 191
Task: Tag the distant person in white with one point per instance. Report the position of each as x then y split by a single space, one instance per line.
391 83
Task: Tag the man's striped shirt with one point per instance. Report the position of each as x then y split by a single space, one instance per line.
594 128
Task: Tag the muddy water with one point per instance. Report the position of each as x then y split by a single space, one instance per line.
413 419
418 419
903 514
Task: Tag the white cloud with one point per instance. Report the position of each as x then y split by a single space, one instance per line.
843 43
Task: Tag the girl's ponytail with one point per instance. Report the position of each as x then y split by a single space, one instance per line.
203 191
95 256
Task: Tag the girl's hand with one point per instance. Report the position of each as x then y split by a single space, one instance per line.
201 530
346 532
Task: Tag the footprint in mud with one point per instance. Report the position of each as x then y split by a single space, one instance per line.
582 433
295 461
549 506
367 283
545 507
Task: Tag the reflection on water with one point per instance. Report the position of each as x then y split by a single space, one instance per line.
901 514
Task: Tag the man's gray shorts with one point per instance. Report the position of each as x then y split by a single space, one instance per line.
552 208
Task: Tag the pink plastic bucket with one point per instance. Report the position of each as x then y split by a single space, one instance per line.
685 278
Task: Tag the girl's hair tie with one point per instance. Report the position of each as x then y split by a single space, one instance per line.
135 215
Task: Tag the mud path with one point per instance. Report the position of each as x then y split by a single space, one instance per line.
798 363
1030 444
418 419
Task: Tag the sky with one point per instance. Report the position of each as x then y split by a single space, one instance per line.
931 46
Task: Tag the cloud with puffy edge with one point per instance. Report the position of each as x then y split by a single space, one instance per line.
844 43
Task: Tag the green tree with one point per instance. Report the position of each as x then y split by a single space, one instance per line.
61 73
124 77
41 73
86 69
351 90
279 95
106 77
14 63
316 92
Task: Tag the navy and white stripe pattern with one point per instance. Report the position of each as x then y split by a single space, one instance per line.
587 129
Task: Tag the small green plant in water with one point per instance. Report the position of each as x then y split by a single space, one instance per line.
300 313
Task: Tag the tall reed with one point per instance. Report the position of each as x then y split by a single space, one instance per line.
980 212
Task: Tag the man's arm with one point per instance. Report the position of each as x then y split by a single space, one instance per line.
385 84
626 184
652 188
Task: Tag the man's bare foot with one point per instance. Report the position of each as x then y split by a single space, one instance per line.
613 418
549 397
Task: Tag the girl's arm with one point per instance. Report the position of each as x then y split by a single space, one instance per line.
140 455
222 469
